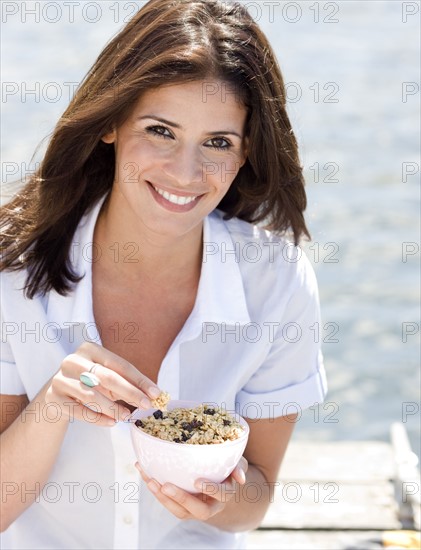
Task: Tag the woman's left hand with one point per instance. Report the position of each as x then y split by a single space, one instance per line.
211 500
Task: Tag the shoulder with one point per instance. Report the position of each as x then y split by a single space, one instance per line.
273 269
15 306
259 250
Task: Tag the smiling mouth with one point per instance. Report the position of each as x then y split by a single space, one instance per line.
175 199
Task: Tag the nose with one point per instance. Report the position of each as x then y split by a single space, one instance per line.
184 168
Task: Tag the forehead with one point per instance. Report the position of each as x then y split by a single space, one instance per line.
211 100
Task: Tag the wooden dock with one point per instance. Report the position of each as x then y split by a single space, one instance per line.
344 495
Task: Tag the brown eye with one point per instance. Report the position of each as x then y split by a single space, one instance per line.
159 131
219 143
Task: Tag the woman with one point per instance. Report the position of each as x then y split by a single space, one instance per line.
133 252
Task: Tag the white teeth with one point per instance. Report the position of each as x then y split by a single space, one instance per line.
175 199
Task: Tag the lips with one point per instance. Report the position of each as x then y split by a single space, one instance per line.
173 202
175 199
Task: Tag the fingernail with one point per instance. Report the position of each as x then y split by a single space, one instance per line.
169 490
153 487
242 476
200 484
145 403
154 392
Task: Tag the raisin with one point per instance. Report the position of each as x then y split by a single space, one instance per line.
196 423
177 440
185 437
158 414
226 422
209 411
187 426
139 424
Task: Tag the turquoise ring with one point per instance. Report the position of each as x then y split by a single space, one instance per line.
89 379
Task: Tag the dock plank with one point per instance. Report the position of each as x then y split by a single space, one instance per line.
341 460
314 540
340 485
340 495
333 505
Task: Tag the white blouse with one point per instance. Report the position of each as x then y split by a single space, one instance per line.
250 345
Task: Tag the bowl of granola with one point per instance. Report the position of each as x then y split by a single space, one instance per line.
188 441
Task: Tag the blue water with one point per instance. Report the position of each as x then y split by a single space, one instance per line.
360 140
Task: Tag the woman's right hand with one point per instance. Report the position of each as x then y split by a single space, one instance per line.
118 379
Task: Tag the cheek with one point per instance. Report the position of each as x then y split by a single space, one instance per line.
133 159
225 172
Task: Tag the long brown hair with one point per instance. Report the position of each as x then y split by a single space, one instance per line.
167 41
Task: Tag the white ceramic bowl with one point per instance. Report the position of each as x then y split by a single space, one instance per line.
180 464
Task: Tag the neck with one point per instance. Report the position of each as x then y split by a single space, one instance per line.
131 251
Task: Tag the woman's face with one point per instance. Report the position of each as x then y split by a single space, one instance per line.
177 154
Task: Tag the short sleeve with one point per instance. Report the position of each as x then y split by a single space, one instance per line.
292 377
10 382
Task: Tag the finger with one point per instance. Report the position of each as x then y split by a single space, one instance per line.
112 385
117 387
151 483
110 360
80 412
90 398
195 506
221 492
74 364
239 472
243 463
182 504
155 489
145 478
74 410
239 475
170 504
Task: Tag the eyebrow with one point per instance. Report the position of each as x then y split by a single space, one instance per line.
174 125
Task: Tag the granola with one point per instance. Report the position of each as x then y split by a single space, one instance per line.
161 401
202 425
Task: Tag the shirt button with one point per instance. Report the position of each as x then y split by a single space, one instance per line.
128 520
